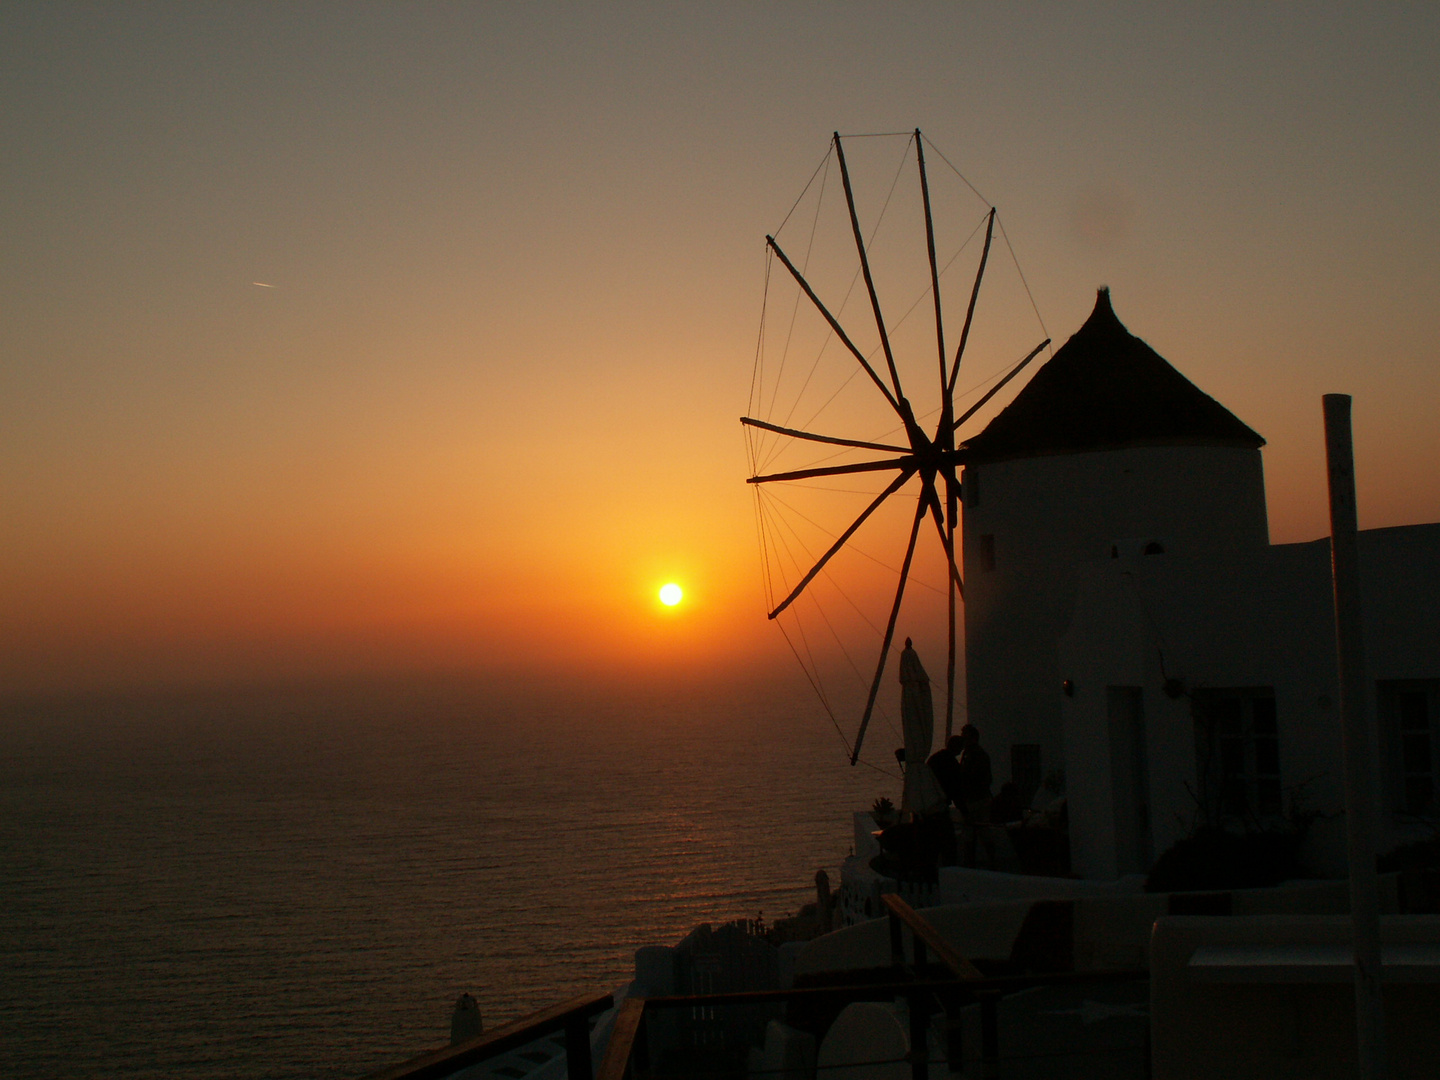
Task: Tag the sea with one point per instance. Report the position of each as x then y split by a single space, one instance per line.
299 882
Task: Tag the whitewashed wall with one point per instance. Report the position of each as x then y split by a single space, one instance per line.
1236 619
1047 516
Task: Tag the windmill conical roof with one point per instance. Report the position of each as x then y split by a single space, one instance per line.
1105 389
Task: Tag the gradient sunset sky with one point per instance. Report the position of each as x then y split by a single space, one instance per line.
483 400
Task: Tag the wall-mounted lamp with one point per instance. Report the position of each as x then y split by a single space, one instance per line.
1069 687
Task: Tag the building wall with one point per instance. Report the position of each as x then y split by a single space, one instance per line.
1242 618
1044 517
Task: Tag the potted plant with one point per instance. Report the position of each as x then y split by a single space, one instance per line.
884 813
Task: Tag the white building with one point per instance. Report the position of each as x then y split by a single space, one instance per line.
1127 619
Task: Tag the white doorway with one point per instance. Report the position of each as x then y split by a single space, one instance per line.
1129 779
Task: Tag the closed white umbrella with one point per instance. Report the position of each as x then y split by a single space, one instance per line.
922 794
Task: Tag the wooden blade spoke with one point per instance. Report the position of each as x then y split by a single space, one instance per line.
952 499
947 541
905 463
1000 385
831 439
865 267
930 460
932 499
889 631
895 486
934 268
835 325
974 294
950 661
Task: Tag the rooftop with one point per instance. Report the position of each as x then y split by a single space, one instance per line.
1105 389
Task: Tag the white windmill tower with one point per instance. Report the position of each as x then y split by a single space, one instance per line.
1108 452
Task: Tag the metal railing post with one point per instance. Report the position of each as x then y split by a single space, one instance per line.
989 1035
578 1063
640 1051
919 1036
919 1019
897 943
1149 1049
954 1033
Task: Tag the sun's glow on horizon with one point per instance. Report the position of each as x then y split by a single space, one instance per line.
485 450
671 594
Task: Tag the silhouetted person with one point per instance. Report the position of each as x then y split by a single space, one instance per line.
974 791
945 765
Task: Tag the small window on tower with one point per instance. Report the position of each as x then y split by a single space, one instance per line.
1154 547
987 551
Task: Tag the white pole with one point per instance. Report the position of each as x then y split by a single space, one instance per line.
1356 739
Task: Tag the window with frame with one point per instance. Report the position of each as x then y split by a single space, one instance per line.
1409 711
1237 743
987 551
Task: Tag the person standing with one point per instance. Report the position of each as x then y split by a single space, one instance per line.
945 764
973 782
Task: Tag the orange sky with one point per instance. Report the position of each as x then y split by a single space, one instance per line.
490 405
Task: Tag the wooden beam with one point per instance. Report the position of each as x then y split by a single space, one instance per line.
954 583
865 268
948 543
835 325
451 1059
622 1038
889 631
833 440
1000 385
974 294
960 967
904 463
795 592
934 267
876 988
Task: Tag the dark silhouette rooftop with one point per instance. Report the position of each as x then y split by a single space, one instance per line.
1105 389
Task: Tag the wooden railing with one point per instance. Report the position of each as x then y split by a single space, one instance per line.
572 1017
627 1055
924 936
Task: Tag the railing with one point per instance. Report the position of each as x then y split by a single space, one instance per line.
923 937
628 1056
572 1017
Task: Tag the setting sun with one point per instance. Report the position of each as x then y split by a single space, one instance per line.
671 594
